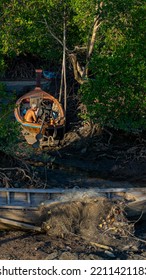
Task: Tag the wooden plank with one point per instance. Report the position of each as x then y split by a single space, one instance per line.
62 190
21 225
19 207
27 215
23 190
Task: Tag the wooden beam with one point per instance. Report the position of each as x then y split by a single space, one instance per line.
21 225
62 190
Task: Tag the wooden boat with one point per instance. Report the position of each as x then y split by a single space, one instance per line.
25 208
21 208
51 119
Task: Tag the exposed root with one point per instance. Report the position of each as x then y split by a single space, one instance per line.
5 180
18 177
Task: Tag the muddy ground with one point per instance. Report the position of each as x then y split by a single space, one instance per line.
87 157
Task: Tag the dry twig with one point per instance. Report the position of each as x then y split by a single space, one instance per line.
101 246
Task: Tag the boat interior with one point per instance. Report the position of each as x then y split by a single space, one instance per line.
46 109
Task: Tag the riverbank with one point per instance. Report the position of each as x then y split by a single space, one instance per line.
87 157
82 159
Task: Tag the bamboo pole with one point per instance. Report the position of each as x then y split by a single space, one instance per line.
61 83
63 72
64 63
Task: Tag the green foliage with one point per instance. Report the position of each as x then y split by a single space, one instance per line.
2 63
116 96
9 129
23 28
115 92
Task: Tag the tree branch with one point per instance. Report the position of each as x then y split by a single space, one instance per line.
91 41
76 68
79 72
52 34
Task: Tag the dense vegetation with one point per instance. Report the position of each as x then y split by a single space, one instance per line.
9 129
105 48
116 96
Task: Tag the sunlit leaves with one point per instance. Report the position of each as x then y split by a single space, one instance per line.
116 96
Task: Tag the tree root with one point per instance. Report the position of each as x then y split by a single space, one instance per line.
10 176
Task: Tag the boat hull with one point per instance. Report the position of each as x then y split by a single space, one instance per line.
50 128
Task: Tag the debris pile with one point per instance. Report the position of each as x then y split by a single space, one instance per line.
96 220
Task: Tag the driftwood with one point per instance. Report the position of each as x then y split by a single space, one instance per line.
95 244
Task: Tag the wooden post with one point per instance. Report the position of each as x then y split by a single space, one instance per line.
38 77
